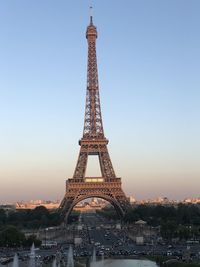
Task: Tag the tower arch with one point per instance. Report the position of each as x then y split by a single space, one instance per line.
114 203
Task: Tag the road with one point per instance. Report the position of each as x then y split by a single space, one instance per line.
102 235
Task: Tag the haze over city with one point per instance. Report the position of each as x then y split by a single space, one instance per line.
148 60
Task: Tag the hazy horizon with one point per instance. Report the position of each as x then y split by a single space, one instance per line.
60 199
148 59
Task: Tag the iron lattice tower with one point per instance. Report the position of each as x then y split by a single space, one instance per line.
93 142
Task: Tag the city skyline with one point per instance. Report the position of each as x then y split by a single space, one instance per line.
159 200
148 73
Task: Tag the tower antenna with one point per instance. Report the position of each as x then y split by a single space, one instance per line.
91 13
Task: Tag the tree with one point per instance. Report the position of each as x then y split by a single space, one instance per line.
3 217
11 237
169 229
39 212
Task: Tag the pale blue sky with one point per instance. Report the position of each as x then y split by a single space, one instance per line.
149 64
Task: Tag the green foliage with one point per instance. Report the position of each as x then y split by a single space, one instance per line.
183 264
169 229
182 221
11 237
188 214
12 222
156 215
31 219
3 217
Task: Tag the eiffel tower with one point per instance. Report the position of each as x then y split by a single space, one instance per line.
93 142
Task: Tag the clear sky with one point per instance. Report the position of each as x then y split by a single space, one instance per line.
149 72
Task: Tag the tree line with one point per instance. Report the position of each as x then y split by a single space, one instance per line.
10 236
13 223
181 221
156 215
39 217
30 219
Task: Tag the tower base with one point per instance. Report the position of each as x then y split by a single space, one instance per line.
78 190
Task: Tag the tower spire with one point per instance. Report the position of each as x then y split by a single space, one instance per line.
91 15
93 125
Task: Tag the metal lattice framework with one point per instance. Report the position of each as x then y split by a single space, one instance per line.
93 126
93 142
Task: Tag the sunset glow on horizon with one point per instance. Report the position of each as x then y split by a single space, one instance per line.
148 60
